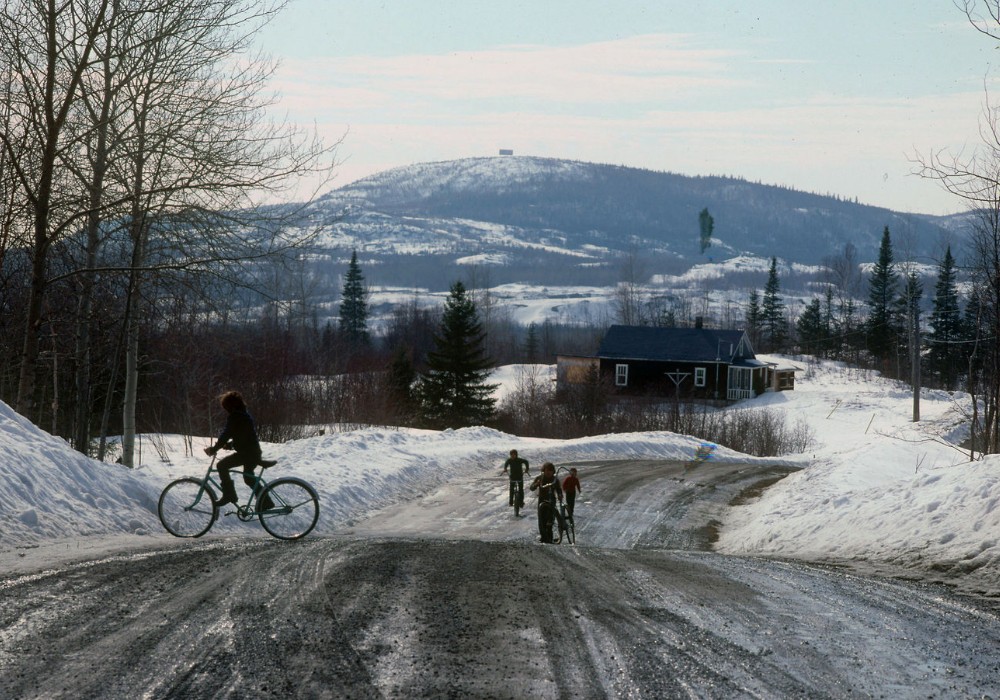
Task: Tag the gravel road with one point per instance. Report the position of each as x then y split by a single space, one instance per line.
389 610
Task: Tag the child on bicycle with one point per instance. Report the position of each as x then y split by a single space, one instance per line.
516 467
240 434
549 490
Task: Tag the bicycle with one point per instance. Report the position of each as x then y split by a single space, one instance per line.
567 528
188 507
564 524
516 495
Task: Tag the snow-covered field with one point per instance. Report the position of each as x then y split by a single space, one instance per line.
875 487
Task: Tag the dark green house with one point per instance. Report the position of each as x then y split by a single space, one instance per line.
687 363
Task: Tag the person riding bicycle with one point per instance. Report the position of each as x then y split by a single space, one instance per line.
549 491
240 434
516 467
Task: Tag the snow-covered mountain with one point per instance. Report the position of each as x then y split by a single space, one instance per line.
514 211
544 224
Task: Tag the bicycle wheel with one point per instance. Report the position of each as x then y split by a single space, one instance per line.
295 508
187 508
570 531
560 528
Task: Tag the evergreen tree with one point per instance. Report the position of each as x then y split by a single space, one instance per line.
850 335
907 324
944 356
773 312
811 328
454 392
531 343
354 305
401 379
830 342
753 318
879 328
706 225
972 335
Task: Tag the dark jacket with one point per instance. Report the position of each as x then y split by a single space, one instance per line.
548 489
516 466
242 432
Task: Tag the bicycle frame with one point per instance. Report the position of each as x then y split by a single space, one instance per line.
516 489
288 507
249 510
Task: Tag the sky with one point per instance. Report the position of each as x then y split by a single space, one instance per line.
835 98
875 488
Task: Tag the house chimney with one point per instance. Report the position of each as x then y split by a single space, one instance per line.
698 321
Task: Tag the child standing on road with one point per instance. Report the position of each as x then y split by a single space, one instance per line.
549 491
571 487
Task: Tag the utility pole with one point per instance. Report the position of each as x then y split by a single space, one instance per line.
915 357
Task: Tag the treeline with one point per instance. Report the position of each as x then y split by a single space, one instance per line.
949 341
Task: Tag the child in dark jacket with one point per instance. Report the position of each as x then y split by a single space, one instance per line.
240 433
549 491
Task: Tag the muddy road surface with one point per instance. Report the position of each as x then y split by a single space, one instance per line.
446 597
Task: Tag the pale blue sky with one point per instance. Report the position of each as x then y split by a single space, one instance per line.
831 97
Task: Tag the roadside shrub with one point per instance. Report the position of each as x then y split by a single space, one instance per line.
533 410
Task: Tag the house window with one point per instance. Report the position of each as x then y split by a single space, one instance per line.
699 376
621 375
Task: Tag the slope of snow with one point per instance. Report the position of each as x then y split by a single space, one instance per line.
877 487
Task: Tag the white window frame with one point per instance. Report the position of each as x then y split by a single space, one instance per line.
700 374
621 375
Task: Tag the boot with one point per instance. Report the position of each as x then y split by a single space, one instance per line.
228 490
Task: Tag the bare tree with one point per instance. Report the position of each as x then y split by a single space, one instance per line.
203 156
152 114
45 50
627 299
974 177
843 275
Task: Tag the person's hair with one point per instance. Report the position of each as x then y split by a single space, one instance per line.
573 470
232 400
548 465
513 453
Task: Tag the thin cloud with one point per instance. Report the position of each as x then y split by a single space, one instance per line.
660 101
628 70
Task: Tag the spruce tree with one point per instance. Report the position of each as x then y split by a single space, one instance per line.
773 312
353 305
401 379
906 325
830 342
944 356
531 343
880 326
811 328
706 225
453 391
753 318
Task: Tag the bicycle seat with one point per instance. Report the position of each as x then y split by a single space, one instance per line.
265 463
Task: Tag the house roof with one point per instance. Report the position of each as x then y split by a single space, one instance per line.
674 344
